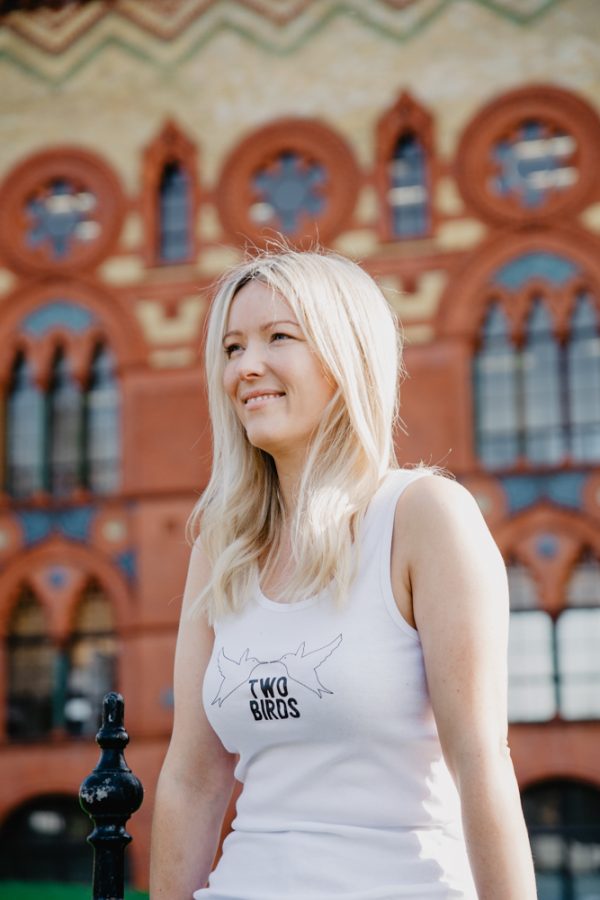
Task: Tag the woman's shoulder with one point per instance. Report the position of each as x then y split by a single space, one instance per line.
430 507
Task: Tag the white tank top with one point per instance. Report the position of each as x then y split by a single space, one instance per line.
346 793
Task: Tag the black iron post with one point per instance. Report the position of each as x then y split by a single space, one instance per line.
110 795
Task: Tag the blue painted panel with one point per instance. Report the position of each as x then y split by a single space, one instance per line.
35 524
58 313
291 188
75 523
127 562
547 546
57 576
562 488
540 264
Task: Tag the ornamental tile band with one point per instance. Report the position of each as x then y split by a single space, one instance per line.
79 33
60 314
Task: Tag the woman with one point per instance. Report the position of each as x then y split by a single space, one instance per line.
342 647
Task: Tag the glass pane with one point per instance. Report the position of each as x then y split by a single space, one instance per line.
551 886
288 191
563 818
583 588
45 840
578 641
531 689
174 214
60 214
30 666
521 587
25 433
540 360
533 162
408 194
91 663
495 389
66 433
103 426
583 372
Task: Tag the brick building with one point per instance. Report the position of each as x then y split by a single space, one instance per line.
453 148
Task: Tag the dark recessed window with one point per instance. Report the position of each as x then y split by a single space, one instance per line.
90 663
31 662
408 188
174 219
563 819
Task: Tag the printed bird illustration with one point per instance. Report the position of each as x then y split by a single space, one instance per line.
302 667
234 673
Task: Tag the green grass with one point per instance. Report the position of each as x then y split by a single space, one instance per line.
33 890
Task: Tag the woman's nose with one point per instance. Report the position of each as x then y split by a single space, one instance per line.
251 362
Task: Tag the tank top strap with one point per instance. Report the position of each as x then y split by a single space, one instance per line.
376 543
379 518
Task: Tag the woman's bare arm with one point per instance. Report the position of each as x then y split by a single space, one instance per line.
197 775
457 581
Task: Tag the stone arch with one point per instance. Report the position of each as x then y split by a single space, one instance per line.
60 604
95 314
464 302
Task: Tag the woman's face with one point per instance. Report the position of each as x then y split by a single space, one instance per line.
274 380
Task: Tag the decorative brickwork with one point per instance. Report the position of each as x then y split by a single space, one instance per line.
294 177
530 154
60 211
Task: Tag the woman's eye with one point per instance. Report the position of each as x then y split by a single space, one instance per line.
280 336
230 349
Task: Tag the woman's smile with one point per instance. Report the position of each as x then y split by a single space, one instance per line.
259 399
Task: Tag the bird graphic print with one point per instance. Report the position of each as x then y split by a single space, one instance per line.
268 679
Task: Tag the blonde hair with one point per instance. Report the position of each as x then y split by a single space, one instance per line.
349 325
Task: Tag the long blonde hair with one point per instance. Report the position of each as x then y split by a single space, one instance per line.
348 324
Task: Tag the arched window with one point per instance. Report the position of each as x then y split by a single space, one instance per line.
563 819
408 195
175 214
91 661
536 387
25 433
542 413
495 387
531 692
66 432
170 197
583 380
66 438
45 840
406 170
31 661
102 438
